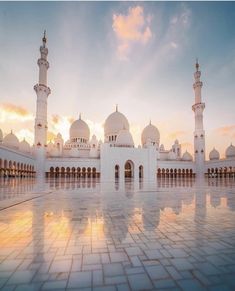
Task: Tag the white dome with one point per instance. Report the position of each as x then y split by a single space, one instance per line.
79 129
1 135
187 156
124 139
115 122
59 135
171 156
74 153
214 155
11 140
93 141
152 133
24 146
230 152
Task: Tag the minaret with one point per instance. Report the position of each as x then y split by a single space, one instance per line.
42 91
199 133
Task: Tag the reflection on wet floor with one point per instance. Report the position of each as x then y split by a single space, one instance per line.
82 233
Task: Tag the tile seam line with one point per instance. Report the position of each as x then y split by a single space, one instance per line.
21 202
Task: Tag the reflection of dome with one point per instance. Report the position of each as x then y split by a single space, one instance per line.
187 156
230 152
11 140
74 153
171 156
124 139
214 155
79 131
115 122
24 146
151 133
1 135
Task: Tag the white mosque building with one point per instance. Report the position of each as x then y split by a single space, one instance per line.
116 157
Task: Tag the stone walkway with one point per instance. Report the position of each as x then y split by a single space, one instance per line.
85 235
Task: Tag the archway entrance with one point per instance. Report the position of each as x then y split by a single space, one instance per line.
116 172
129 169
141 172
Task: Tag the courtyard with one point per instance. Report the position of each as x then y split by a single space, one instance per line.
81 234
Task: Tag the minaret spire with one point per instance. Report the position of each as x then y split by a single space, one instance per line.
199 133
42 91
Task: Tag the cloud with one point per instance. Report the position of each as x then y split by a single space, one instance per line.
187 146
177 134
9 111
228 130
130 29
26 134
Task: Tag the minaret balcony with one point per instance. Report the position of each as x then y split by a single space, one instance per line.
42 88
199 107
198 84
43 62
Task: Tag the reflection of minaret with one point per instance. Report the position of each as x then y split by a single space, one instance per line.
199 133
42 91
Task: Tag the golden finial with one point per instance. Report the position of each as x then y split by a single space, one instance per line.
44 39
197 64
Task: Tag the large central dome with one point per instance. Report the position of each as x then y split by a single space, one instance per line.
79 130
114 123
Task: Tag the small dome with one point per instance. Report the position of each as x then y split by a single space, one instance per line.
115 122
152 133
11 140
24 146
162 148
171 156
74 153
93 141
230 152
79 130
176 141
124 139
59 135
187 156
214 155
1 135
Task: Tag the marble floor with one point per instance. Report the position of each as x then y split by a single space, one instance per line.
71 234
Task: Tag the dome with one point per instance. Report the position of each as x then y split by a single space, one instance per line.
79 130
115 122
1 135
74 153
214 155
124 139
187 157
94 141
171 156
24 146
162 148
59 135
11 140
152 133
176 141
230 152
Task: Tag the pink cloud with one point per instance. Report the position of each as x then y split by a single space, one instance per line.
130 29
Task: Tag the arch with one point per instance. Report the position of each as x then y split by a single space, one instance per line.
51 171
141 172
129 169
117 168
93 172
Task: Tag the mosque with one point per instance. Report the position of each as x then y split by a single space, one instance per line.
116 157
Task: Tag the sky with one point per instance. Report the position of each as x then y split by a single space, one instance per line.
139 55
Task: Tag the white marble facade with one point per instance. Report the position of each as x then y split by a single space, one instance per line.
114 157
